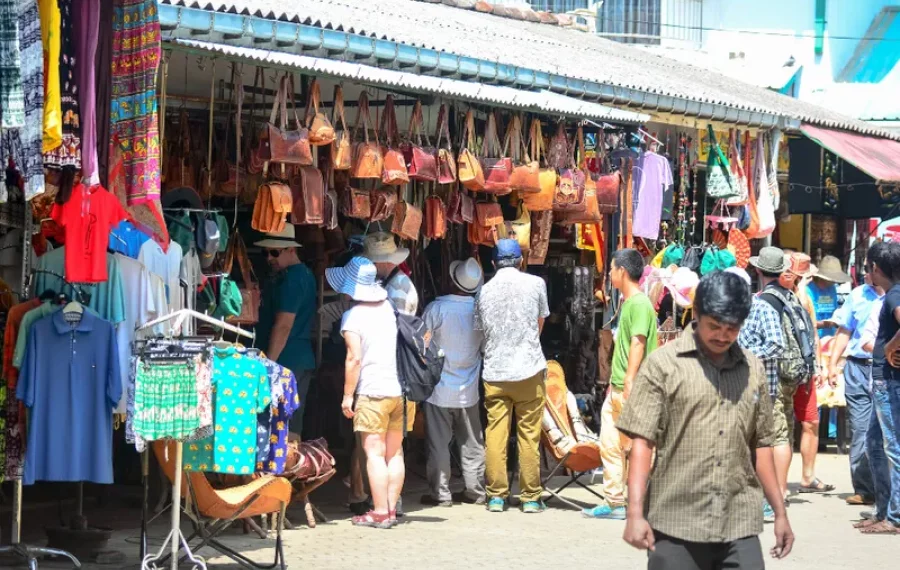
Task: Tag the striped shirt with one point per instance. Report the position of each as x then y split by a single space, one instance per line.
706 421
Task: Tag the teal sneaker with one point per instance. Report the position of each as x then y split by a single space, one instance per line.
605 511
530 507
768 512
496 505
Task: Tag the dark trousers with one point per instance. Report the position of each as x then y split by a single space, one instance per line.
676 554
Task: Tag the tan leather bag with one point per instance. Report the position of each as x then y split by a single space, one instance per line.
383 201
282 145
435 218
180 171
569 195
272 206
496 165
394 172
421 161
521 228
341 149
308 196
591 212
468 167
356 203
547 177
488 214
407 221
368 162
250 292
446 162
525 177
321 132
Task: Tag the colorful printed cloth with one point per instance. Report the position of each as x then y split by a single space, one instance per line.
67 154
282 410
133 111
165 401
12 98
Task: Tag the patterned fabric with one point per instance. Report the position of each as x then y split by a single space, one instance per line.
15 412
284 384
706 421
67 154
507 310
12 98
763 335
165 401
133 113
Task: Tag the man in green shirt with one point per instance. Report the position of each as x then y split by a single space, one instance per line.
635 339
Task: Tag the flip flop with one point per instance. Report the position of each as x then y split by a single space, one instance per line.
882 527
816 486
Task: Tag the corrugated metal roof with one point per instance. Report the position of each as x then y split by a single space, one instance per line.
543 48
536 101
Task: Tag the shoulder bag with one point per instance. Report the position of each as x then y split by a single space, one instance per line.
250 293
354 203
738 174
341 150
719 184
308 196
282 145
520 228
468 167
435 218
591 212
569 195
525 177
558 153
393 172
407 221
272 206
446 162
321 131
460 207
382 201
496 166
368 162
420 160
547 177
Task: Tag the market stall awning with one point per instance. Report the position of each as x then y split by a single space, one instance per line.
545 102
877 157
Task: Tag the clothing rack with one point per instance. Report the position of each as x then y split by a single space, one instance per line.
175 540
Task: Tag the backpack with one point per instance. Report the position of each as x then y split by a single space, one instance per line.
798 363
419 359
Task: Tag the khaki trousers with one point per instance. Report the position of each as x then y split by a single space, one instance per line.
613 448
526 397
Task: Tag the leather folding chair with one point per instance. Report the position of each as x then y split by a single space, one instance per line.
211 510
581 458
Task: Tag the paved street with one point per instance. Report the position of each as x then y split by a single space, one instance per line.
467 537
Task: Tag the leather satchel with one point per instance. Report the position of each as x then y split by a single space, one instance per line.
383 201
482 235
356 203
547 177
308 194
521 228
569 195
525 177
446 162
282 145
393 171
496 166
435 218
341 149
272 206
368 162
460 207
180 172
468 167
607 192
407 221
590 214
321 132
488 214
250 293
421 163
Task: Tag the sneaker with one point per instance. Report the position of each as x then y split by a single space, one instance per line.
605 511
432 502
496 505
529 507
768 512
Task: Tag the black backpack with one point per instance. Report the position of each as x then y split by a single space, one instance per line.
419 359
798 362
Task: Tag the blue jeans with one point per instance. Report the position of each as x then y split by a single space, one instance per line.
883 448
858 392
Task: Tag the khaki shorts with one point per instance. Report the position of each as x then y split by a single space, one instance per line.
381 415
783 416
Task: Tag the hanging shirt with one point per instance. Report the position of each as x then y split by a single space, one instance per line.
191 275
242 389
107 298
166 264
285 401
31 317
87 219
656 177
70 383
825 301
127 239
14 433
290 291
51 23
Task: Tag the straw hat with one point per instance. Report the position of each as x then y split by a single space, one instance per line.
280 240
380 247
830 270
467 275
358 279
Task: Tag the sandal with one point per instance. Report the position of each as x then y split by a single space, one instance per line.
865 523
816 486
373 519
881 527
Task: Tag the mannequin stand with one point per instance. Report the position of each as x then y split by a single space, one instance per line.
26 552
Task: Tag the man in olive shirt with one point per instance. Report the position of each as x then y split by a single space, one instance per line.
703 404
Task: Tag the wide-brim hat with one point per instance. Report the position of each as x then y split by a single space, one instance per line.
283 239
182 197
380 247
800 264
467 275
769 260
830 270
358 279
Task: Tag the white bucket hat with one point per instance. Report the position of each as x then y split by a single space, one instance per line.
357 279
467 275
281 240
380 247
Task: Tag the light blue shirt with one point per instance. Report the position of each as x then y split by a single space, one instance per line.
853 316
451 319
70 383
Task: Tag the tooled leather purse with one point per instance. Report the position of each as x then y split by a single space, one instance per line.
368 162
435 218
407 221
282 145
591 212
250 292
525 177
383 201
460 206
308 196
354 203
569 196
393 171
421 163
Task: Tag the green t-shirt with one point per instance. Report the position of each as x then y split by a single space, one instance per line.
291 291
638 317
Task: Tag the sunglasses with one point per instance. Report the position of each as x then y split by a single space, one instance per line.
273 253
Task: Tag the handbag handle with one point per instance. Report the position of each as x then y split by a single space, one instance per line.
443 127
362 116
537 142
312 105
715 151
416 123
582 159
389 122
468 136
338 110
237 248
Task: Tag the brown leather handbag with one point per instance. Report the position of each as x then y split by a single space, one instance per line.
308 195
460 207
420 160
590 214
547 177
541 225
250 293
488 214
356 203
368 162
558 153
407 221
435 218
468 167
272 206
252 161
282 145
383 201
482 235
341 149
525 177
446 162
180 171
607 192
394 172
569 195
321 132
495 162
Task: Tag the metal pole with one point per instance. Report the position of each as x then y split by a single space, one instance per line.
176 505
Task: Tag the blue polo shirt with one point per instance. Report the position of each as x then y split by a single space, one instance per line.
290 291
853 316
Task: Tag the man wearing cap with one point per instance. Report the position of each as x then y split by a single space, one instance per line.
286 313
382 250
453 409
511 309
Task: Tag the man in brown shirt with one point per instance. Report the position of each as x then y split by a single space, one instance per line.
702 403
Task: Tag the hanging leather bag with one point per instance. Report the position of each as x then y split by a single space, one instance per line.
547 177
446 162
591 212
272 206
341 149
435 218
421 163
558 153
393 171
569 195
282 145
368 162
482 235
468 167
321 131
250 293
355 203
521 228
180 172
488 214
526 173
383 201
407 221
308 196
460 207
541 225
495 164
